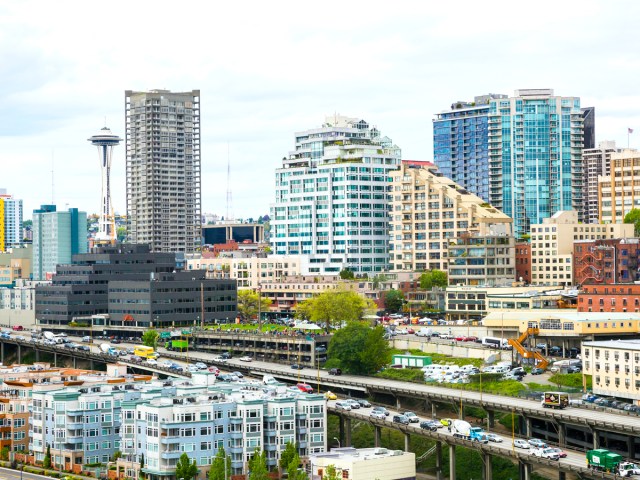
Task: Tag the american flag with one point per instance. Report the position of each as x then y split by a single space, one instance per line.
629 130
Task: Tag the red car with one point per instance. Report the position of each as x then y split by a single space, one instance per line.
304 387
459 338
410 331
470 339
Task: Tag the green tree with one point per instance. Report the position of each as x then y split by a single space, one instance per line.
433 278
218 466
334 307
4 453
290 451
150 338
379 279
142 474
331 473
346 274
634 217
258 466
393 300
185 468
116 455
293 469
46 461
248 304
359 349
121 233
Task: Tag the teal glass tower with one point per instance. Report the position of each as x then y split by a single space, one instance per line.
535 150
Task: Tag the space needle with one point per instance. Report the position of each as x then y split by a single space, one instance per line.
105 141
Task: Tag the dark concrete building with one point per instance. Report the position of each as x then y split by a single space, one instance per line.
239 232
131 288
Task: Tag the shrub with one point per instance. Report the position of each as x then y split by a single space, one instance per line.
404 374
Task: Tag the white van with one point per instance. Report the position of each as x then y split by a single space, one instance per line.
424 332
269 380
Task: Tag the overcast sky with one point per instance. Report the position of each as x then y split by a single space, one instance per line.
268 69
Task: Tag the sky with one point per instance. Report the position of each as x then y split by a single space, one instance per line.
268 69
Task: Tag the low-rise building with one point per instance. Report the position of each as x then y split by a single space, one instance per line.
523 262
614 366
365 464
606 261
482 260
609 298
619 192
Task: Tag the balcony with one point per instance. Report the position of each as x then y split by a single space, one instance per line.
169 454
170 440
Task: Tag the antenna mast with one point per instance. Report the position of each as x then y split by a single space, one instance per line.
229 216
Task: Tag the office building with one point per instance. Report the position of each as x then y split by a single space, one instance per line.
430 211
461 144
57 236
331 197
596 163
552 244
610 297
239 232
589 127
619 192
163 169
535 156
130 287
614 366
365 464
482 260
10 221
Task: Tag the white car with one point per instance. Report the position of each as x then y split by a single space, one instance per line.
492 437
167 363
192 368
246 358
378 415
545 453
152 361
201 366
518 443
220 359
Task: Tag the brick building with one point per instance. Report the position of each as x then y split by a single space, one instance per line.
606 261
523 262
609 298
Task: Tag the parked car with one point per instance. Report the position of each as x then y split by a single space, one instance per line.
381 410
246 358
238 374
363 403
201 365
304 387
537 371
470 339
492 437
430 425
518 443
400 419
537 443
335 371
541 346
574 369
413 418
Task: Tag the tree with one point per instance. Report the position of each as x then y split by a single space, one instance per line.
293 470
150 338
433 278
218 466
393 300
634 217
346 274
142 474
248 303
334 307
46 461
116 455
379 279
359 349
290 451
121 233
258 466
185 468
331 473
4 453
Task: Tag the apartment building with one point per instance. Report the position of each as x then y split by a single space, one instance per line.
614 366
331 200
606 261
429 212
482 260
523 262
552 245
10 221
619 192
609 298
596 163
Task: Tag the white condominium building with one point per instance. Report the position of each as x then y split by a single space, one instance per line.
331 197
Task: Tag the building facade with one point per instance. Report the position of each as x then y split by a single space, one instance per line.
239 232
620 191
461 144
523 262
482 260
596 163
614 366
535 156
552 244
609 298
430 211
331 197
57 236
365 464
163 169
606 261
10 221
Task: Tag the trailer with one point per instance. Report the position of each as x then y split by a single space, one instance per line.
555 400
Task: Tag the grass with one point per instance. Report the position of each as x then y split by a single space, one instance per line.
404 374
572 380
511 388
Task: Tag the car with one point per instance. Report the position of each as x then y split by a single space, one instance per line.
413 418
220 359
343 406
518 443
446 422
215 370
381 410
363 403
555 350
492 437
192 368
167 364
304 387
459 338
321 349
574 369
151 361
238 374
330 396
246 358
115 341
378 415
537 371
410 331
545 453
176 368
541 346
430 425
84 348
201 365
296 366
561 453
335 371
17 328
86 339
355 405
135 358
537 443
470 338
401 419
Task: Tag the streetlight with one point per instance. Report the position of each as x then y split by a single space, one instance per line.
337 440
259 307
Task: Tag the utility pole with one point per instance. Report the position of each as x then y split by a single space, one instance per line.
202 305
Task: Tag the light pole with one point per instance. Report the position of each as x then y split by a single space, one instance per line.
337 440
259 307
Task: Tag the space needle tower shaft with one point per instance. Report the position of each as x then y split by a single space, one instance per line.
105 141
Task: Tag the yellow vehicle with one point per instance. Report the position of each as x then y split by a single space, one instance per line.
145 352
330 396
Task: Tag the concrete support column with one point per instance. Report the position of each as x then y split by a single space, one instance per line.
596 438
55 359
631 446
491 418
524 470
347 432
562 476
527 426
341 429
19 353
377 437
74 362
438 460
487 467
434 412
38 355
398 405
562 435
407 438
452 462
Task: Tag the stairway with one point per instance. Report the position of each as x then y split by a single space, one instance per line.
518 345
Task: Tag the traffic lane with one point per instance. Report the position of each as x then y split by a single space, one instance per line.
574 458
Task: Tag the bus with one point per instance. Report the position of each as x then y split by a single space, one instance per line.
493 342
144 352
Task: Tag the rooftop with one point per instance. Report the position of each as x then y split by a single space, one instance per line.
633 344
360 453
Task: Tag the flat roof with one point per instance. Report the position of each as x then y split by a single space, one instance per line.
360 453
562 314
633 344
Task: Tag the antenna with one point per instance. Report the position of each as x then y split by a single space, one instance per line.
52 179
229 200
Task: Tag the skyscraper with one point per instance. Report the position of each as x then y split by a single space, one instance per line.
331 197
461 144
163 169
56 237
10 221
535 156
596 162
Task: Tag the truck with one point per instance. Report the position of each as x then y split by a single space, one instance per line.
628 469
603 460
108 349
462 429
177 344
555 400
